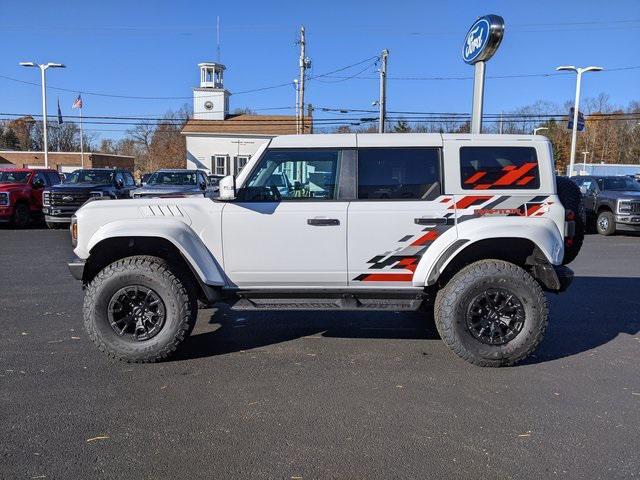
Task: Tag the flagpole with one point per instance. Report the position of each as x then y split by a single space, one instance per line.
81 142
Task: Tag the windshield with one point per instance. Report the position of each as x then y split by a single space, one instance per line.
172 178
89 176
14 177
621 184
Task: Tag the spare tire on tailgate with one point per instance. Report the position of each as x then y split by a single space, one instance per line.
571 199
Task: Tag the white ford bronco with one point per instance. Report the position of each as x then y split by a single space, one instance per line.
474 226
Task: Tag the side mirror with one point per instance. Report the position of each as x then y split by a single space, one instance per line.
203 186
583 189
227 188
119 184
37 183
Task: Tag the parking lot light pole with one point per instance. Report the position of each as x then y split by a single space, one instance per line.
43 67
574 135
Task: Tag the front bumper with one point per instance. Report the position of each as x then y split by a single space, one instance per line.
628 222
76 267
56 214
6 213
52 219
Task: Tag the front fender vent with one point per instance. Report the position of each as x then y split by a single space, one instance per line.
161 211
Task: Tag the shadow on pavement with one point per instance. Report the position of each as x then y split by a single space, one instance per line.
593 312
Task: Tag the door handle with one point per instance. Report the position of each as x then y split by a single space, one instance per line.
319 222
431 221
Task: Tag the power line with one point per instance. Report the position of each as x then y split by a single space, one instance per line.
519 75
137 97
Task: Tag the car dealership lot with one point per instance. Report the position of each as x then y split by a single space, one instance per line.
316 394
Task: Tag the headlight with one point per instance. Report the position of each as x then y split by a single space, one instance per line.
46 198
96 193
624 206
74 230
4 198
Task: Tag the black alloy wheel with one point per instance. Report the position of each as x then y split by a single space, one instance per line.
495 316
136 312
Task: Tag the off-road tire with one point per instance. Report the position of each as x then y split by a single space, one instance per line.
571 199
455 298
56 225
606 223
150 272
21 215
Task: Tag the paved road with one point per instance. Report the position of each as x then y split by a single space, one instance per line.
317 395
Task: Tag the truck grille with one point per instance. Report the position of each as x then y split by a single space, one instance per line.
66 199
635 207
4 198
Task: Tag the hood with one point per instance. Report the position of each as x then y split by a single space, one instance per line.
167 189
78 187
614 194
9 187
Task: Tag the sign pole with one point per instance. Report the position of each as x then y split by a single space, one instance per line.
478 97
480 43
81 142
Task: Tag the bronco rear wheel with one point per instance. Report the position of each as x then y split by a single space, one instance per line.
138 309
492 313
571 199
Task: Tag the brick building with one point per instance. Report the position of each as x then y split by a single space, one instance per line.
65 161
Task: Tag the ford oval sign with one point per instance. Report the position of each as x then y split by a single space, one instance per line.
483 39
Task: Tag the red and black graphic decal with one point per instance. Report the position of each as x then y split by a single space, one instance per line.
385 268
510 176
400 265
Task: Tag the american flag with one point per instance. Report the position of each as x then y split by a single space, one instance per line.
77 103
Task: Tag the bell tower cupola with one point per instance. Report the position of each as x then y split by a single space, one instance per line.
211 99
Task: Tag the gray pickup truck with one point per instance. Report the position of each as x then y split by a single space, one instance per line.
176 182
611 203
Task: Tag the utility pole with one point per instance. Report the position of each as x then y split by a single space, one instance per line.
310 117
304 63
382 103
297 88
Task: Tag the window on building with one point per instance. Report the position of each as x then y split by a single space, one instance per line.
240 162
294 175
491 168
219 164
398 173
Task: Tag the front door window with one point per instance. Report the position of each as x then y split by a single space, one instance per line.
289 174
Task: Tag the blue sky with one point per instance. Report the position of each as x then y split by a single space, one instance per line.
151 48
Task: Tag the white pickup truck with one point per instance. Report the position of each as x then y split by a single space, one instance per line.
473 225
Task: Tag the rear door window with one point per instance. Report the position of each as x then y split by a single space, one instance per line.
398 173
498 168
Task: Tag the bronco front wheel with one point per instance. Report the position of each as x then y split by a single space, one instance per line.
492 313
138 310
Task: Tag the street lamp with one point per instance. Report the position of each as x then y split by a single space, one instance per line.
43 68
574 136
536 130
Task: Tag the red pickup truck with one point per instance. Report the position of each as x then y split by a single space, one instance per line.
21 193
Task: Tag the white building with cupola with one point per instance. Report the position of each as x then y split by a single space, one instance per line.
221 142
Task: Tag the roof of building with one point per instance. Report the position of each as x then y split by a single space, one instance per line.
40 152
246 124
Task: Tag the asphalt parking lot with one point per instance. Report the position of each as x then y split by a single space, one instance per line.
317 395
